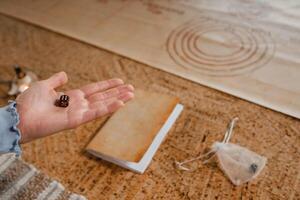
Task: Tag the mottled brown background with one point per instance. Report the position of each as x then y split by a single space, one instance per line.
202 122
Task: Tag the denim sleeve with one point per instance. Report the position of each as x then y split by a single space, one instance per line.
9 133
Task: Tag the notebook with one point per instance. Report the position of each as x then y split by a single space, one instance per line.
134 133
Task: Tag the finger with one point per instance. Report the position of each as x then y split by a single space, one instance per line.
122 97
101 111
57 79
115 92
126 97
101 86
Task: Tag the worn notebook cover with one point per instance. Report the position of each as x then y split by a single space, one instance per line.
130 131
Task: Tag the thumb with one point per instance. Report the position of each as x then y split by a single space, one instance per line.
57 79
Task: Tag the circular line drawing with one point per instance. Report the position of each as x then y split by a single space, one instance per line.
242 46
216 48
195 40
186 49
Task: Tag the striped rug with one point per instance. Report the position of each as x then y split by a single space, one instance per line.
19 180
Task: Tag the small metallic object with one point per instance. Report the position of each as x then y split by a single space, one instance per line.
253 168
63 101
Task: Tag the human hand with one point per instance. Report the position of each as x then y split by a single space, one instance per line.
39 117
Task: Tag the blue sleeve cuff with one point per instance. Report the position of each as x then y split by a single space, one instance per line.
9 132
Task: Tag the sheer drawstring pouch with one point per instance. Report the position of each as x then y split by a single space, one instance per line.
238 163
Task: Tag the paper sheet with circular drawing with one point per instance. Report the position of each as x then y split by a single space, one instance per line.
250 50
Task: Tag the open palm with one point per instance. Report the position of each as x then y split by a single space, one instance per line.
39 116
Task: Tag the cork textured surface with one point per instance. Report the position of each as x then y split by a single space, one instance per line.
203 121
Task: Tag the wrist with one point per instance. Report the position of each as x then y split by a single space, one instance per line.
21 126
9 132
